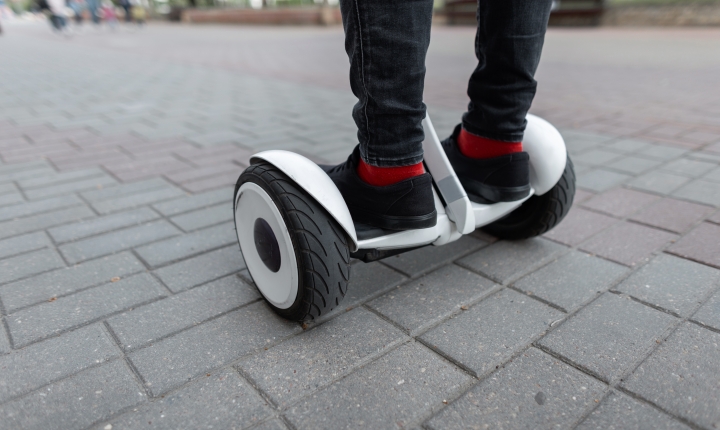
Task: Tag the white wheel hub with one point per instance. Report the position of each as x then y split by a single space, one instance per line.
266 245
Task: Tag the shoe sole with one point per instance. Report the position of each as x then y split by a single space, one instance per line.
397 223
482 193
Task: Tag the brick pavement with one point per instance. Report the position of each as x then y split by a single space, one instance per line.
125 302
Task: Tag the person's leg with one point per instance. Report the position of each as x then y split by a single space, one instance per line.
383 182
508 44
486 151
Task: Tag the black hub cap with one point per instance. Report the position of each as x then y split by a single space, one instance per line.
266 245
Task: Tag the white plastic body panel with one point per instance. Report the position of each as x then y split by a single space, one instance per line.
547 151
316 182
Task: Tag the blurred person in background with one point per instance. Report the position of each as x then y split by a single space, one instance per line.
55 9
138 13
78 7
108 14
126 5
93 7
383 181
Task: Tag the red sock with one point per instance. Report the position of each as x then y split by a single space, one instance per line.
382 176
474 146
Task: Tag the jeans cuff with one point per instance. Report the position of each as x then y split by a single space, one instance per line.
503 137
391 161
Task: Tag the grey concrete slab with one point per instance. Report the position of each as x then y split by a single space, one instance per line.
24 265
633 165
40 221
687 167
59 178
204 217
173 361
156 320
619 411
709 313
659 182
491 332
672 283
425 259
198 201
671 214
701 191
117 240
76 402
103 224
609 336
24 243
663 152
181 247
504 262
578 225
400 388
596 157
4 342
124 190
571 280
534 391
68 280
681 376
32 367
300 366
599 180
70 187
201 269
701 244
54 316
419 304
11 199
368 280
220 400
628 243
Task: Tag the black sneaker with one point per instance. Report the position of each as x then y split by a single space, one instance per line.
499 179
406 205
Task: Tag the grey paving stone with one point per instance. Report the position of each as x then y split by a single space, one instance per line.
27 173
620 202
305 363
701 191
578 225
203 217
492 331
118 240
627 146
31 208
24 243
203 268
187 245
534 391
198 201
77 402
627 243
11 199
400 388
62 177
44 320
368 280
67 280
663 152
618 411
701 244
681 376
124 190
425 259
49 219
153 321
671 214
609 335
714 175
8 188
506 261
709 313
437 295
32 367
596 157
659 182
4 342
102 224
572 280
687 167
222 400
672 283
599 180
70 187
135 200
24 265
274 424
633 165
173 361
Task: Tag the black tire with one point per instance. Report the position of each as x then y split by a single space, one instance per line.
320 244
538 214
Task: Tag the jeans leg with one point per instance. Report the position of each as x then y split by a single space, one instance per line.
387 42
508 44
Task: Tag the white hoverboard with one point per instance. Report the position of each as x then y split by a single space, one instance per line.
297 237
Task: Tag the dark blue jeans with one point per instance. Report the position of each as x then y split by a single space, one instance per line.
387 41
